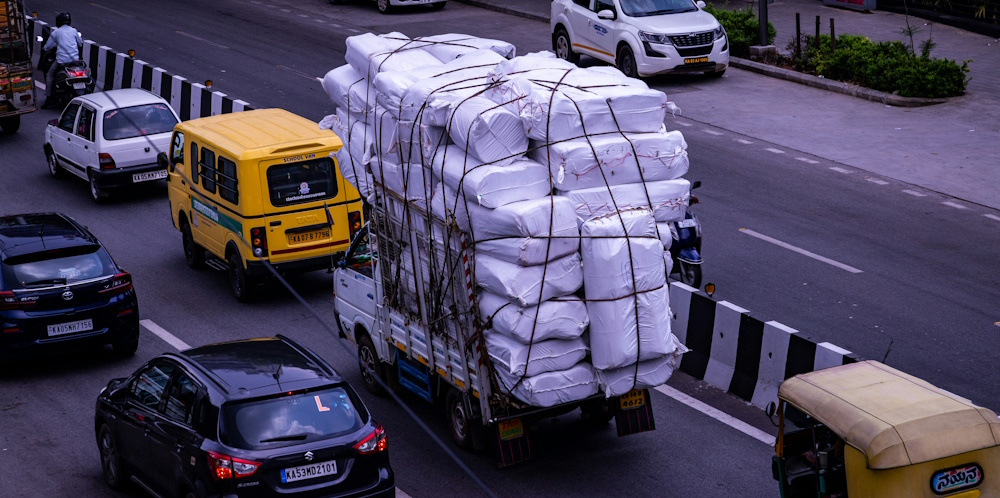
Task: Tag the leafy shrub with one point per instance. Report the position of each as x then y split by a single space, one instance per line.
884 66
742 28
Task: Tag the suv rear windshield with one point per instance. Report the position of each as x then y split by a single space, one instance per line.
291 420
137 121
59 268
304 181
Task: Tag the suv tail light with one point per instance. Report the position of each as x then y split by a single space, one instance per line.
258 241
225 467
354 220
121 283
106 161
377 441
8 301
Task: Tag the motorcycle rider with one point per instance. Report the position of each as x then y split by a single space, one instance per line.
68 44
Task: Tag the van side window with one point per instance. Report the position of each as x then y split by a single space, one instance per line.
206 169
177 148
582 3
194 167
227 181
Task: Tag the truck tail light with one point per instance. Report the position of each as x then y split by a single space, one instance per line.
258 242
354 221
8 301
121 283
106 161
224 467
377 441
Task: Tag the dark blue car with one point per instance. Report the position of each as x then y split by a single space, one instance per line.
60 290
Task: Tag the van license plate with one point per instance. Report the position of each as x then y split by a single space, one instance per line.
79 86
310 471
299 238
149 175
633 399
695 60
71 327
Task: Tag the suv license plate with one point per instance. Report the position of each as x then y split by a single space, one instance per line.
298 238
695 60
79 86
310 471
149 175
71 327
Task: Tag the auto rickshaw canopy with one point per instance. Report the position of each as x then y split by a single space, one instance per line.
895 419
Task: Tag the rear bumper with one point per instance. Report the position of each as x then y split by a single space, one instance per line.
112 179
258 268
25 344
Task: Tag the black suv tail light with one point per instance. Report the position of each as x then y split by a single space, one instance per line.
377 441
258 241
224 467
121 283
106 161
354 220
8 301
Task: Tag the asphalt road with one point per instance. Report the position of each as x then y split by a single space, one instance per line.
928 284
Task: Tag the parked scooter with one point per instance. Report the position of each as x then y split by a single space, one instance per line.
73 80
685 249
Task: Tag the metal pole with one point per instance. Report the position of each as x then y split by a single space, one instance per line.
833 37
798 37
816 41
763 22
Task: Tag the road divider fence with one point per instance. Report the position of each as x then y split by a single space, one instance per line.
113 70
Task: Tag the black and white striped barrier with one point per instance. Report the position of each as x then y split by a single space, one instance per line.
738 353
113 70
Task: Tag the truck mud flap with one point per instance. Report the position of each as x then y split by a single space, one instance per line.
512 446
634 412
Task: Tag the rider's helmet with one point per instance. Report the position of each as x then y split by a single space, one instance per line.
63 19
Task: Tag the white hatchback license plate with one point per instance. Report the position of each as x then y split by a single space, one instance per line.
79 86
689 223
424 1
310 471
71 327
149 175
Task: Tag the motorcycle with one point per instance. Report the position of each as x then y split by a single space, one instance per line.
73 80
685 248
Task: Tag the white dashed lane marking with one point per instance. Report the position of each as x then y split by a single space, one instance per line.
877 181
806 160
712 132
193 37
683 123
352 30
840 170
775 151
992 217
952 204
914 193
717 415
113 10
744 142
801 251
319 20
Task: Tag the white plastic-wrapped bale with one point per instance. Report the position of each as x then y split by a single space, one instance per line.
409 180
549 355
348 89
524 284
667 199
626 289
452 46
354 156
620 159
488 131
561 318
552 388
490 185
644 375
371 54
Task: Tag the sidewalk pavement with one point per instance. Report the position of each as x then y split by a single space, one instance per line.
952 147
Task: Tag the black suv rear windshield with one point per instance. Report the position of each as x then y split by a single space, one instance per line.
137 121
291 420
305 181
58 268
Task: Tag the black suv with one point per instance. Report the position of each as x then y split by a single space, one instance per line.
60 290
256 417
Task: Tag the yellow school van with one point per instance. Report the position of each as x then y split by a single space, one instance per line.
256 186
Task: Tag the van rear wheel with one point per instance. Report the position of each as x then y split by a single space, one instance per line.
238 280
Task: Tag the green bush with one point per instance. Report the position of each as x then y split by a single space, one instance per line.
742 28
884 66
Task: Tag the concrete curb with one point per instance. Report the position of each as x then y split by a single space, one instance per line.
740 354
505 10
833 85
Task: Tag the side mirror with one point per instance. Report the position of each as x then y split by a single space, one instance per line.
700 4
163 162
607 15
770 409
53 122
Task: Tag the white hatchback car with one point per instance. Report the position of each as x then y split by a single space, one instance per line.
641 37
110 139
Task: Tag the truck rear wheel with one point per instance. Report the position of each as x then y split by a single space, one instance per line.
368 357
459 420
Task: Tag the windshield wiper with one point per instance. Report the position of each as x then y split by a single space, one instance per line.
47 281
293 437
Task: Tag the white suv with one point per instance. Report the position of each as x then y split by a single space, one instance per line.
110 139
641 37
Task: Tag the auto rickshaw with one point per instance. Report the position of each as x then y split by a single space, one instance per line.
868 430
